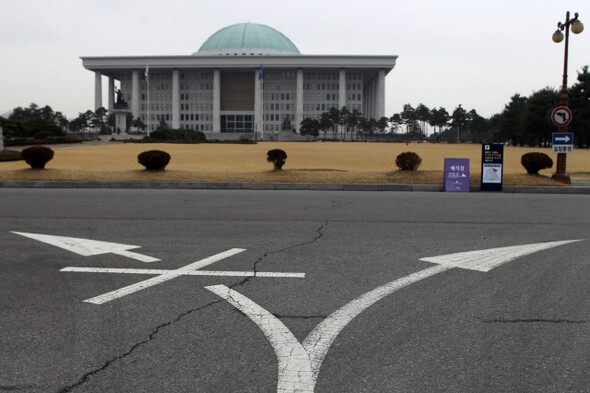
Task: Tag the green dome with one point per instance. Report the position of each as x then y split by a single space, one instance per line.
248 39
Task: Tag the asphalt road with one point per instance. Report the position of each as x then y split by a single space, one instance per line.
521 326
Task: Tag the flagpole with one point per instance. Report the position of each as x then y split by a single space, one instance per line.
147 79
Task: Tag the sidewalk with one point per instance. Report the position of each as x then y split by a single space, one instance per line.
577 187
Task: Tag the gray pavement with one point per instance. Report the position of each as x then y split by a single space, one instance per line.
577 187
520 327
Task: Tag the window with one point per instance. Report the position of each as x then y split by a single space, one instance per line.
237 123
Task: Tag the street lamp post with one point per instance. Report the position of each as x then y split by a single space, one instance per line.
576 27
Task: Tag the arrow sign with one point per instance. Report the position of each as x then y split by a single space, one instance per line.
565 139
299 363
561 116
486 260
87 247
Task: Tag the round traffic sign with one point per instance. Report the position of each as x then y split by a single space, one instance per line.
561 116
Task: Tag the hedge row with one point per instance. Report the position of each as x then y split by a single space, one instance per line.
38 156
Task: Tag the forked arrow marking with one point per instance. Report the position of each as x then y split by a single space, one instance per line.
299 364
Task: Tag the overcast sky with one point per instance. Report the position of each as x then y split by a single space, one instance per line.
475 53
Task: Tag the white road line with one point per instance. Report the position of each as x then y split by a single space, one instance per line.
299 364
485 260
220 273
87 247
169 275
295 374
136 256
73 269
321 338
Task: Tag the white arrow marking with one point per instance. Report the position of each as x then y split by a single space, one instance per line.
87 247
563 138
299 364
295 370
166 276
485 260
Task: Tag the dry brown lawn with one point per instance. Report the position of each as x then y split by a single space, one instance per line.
314 162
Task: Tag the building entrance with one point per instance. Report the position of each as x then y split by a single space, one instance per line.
237 122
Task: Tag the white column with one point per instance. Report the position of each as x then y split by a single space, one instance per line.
175 99
216 100
367 100
299 98
372 99
380 95
97 90
364 102
111 94
135 93
258 121
342 88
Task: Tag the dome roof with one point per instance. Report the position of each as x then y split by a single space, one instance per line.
247 39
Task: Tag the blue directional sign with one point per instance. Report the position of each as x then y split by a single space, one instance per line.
563 142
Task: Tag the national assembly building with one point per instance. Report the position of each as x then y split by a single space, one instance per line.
245 78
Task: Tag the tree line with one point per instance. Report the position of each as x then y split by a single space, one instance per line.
42 122
524 121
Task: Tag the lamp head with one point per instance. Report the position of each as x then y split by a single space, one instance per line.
577 27
557 36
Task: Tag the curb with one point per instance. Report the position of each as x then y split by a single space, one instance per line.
284 186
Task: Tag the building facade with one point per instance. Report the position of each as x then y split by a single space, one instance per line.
245 78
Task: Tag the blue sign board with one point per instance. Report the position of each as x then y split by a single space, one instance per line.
563 138
457 174
563 142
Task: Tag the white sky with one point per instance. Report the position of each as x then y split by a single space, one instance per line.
476 53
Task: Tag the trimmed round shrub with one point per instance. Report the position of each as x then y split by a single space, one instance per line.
408 161
277 157
154 159
166 134
37 156
534 162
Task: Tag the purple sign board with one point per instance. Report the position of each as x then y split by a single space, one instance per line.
457 174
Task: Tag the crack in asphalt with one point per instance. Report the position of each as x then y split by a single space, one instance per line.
84 378
535 320
265 255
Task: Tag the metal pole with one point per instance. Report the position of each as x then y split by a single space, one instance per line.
148 102
560 174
